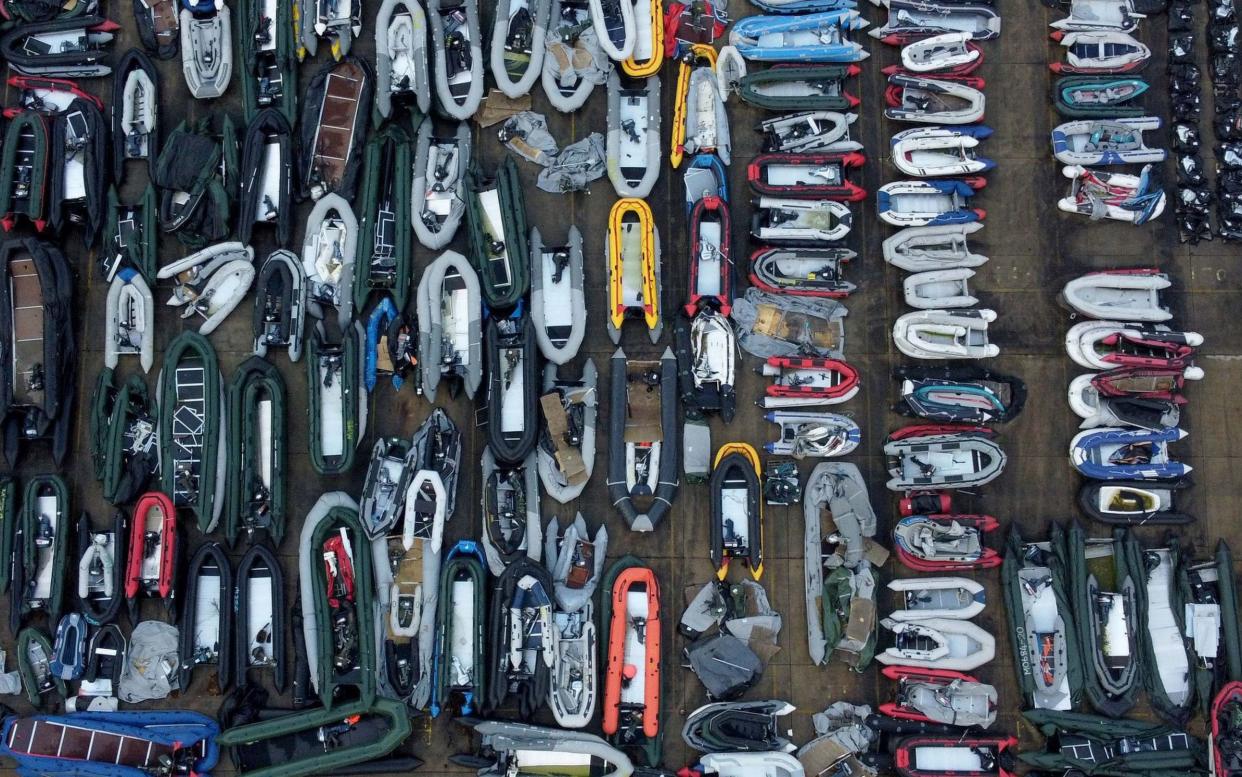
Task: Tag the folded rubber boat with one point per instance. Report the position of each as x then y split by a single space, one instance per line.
813 272
945 543
459 673
450 337
940 151
633 134
633 252
206 48
1114 141
937 597
790 222
816 37
566 449
790 87
557 299
944 247
938 643
1113 453
959 393
940 100
643 445
929 203
1106 97
942 457
517 46
457 46
1122 295
945 334
805 381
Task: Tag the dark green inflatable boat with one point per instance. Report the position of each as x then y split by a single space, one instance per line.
383 261
257 439
499 247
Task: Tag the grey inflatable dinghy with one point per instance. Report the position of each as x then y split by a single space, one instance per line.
336 22
706 121
328 252
939 289
809 132
633 134
643 448
574 62
512 528
130 320
211 282
450 333
458 45
557 302
574 685
923 249
438 197
566 449
923 461
613 21
280 305
539 748
518 44
207 51
945 334
401 71
575 560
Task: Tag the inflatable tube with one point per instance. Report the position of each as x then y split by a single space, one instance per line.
633 135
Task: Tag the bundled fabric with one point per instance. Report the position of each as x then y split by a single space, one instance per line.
194 201
1101 747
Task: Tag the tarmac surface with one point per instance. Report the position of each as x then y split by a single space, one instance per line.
1034 250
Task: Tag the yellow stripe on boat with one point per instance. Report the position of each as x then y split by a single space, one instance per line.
616 262
652 64
752 456
699 51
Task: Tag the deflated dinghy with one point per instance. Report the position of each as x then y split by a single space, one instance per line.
945 543
122 432
337 404
101 568
921 249
268 161
26 174
336 22
512 528
813 272
938 643
941 696
615 27
130 320
1099 52
71 47
329 248
575 561
384 232
450 338
816 37
945 334
558 307
512 389
634 267
707 363
1041 621
959 393
816 176
257 446
942 457
800 222
401 68
1114 141
936 151
135 113
937 597
800 87
939 289
566 449
211 283
151 563
269 77
738 727
1113 453
78 169
496 216
805 381
458 66
1133 502
438 197
280 305
919 99
205 626
460 680
1100 96
1166 653
950 51
1123 295
41 547
818 435
809 132
633 133
632 681
524 650
206 48
518 46
929 203
737 510
788 325
909 20
534 750
643 445
1103 345
333 128
700 121
574 62
192 428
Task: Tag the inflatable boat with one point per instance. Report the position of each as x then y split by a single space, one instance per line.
151 563
450 336
632 635
1122 295
1134 502
437 448
129 235
810 272
25 177
943 457
816 37
524 649
1097 410
130 329
1168 660
804 381
1145 383
536 750
267 47
963 394
1105 97
337 404
101 567
815 176
512 388
1095 15
1102 345
557 302
789 222
791 87
135 113
939 289
705 176
192 428
384 487
512 528
945 543
438 196
947 52
953 755
496 218
711 257
615 27
929 203
730 69
633 134
120 416
1099 52
941 100
575 62
575 560
643 444
566 449
648 54
266 186
809 132
818 435
211 283
1224 731
940 151
937 643
944 247
911 20
517 47
205 629
280 305
460 675
941 696
329 252
742 726
257 429
75 46
157 24
633 249
1210 601
1114 141
34 667
334 23
333 128
383 262
402 74
700 121
206 48
945 334
1113 453
78 169
260 636
937 597
706 350
737 509
41 547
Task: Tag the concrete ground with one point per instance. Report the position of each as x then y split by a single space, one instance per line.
1034 250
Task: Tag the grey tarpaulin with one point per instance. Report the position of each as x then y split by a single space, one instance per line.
843 736
151 664
526 134
569 170
788 325
725 665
